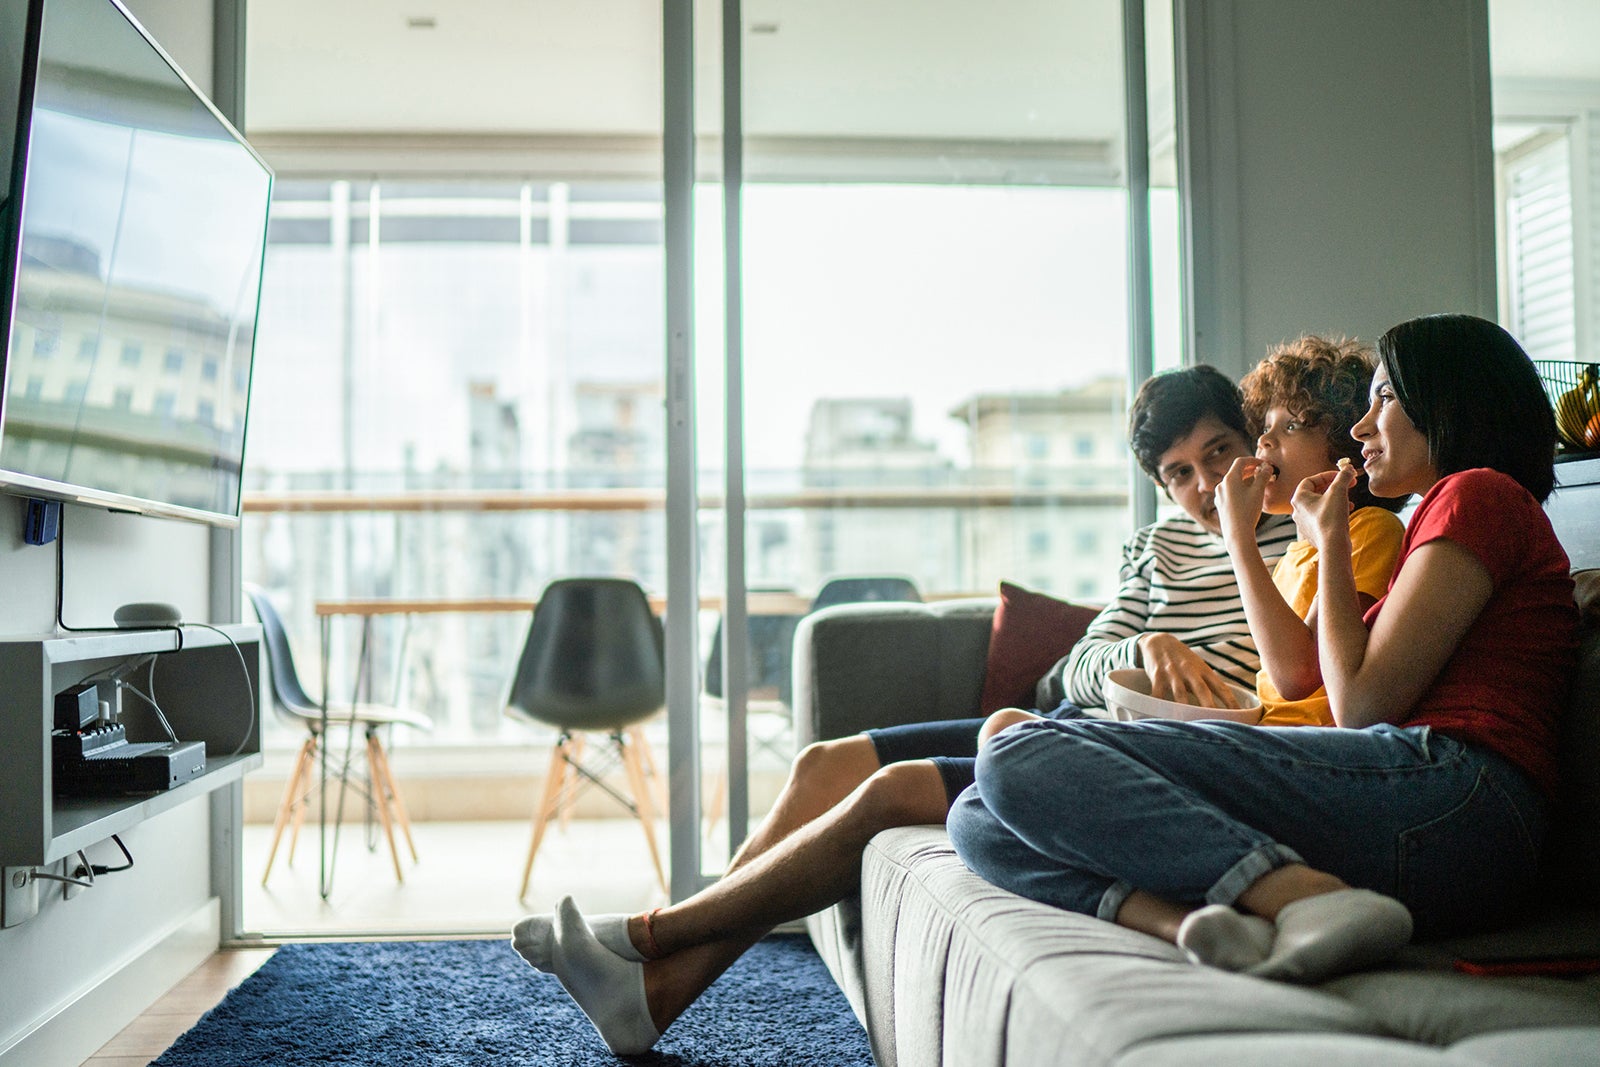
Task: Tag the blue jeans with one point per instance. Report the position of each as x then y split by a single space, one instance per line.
1078 814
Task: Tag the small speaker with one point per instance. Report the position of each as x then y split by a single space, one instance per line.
77 706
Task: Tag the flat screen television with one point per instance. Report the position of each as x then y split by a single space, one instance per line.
134 227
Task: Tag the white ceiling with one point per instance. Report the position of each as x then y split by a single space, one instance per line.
938 69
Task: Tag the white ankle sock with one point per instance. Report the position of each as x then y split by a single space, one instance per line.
534 937
1218 936
608 988
1335 933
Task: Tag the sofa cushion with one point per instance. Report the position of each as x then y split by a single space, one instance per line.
1572 851
1031 632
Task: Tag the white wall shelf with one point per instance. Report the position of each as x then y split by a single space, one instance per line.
201 688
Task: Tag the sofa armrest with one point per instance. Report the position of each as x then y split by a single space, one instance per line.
858 666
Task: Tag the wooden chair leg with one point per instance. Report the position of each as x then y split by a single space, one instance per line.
382 805
647 752
571 781
631 760
555 777
291 796
390 788
302 805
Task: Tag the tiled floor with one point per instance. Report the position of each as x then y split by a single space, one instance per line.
465 881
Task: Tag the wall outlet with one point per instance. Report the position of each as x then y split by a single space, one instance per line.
19 901
68 866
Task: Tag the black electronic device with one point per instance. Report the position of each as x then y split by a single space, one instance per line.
102 761
77 706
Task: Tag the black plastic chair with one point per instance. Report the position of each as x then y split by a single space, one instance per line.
857 590
593 663
379 787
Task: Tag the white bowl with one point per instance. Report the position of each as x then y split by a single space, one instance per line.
1127 694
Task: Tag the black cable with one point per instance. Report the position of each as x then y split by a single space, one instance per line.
61 540
177 628
92 869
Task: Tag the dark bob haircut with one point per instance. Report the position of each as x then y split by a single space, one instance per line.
1170 404
1471 390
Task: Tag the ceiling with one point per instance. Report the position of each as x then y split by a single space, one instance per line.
1033 70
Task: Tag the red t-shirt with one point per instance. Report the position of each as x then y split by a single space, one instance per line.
1505 682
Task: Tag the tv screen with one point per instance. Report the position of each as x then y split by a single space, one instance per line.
135 231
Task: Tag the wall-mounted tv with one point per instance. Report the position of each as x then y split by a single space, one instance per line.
134 226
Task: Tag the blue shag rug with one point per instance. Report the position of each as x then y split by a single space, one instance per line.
446 1003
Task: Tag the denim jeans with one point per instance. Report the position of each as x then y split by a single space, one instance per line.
1078 814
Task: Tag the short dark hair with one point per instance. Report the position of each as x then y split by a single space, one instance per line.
1170 404
1471 390
1323 383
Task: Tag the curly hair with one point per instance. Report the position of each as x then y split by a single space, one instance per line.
1323 383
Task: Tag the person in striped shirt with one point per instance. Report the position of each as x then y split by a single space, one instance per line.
634 974
1177 611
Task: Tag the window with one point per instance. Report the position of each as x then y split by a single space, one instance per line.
132 353
174 360
1537 222
88 348
45 343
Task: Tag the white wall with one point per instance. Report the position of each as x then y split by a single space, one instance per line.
83 968
1339 168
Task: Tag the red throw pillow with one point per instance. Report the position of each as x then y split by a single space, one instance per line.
1031 632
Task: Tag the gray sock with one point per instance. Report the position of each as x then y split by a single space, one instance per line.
534 937
1335 933
1218 936
608 988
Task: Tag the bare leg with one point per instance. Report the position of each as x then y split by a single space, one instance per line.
822 775
815 866
1278 888
1000 720
1151 915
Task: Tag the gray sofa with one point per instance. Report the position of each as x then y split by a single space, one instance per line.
944 969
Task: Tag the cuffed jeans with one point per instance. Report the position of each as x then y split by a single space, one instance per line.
1078 815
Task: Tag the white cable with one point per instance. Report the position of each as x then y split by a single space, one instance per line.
250 723
148 699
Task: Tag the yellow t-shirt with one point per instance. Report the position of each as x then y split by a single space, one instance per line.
1374 547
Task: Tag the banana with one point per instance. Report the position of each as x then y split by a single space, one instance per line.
1578 405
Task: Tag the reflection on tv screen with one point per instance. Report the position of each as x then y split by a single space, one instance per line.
141 243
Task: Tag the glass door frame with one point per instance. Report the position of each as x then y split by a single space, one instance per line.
682 645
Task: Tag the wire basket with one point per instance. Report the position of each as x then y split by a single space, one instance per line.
1574 392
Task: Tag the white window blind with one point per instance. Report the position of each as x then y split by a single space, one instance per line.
1539 248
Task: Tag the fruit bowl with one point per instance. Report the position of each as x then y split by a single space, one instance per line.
1574 392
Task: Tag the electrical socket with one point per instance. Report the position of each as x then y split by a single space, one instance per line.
68 865
19 899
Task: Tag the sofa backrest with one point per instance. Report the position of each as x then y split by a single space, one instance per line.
1572 851
867 665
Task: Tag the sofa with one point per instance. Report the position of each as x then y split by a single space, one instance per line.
943 968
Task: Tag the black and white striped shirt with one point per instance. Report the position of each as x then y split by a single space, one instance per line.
1176 579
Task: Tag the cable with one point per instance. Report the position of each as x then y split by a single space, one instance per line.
177 628
250 721
61 540
85 872
45 876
